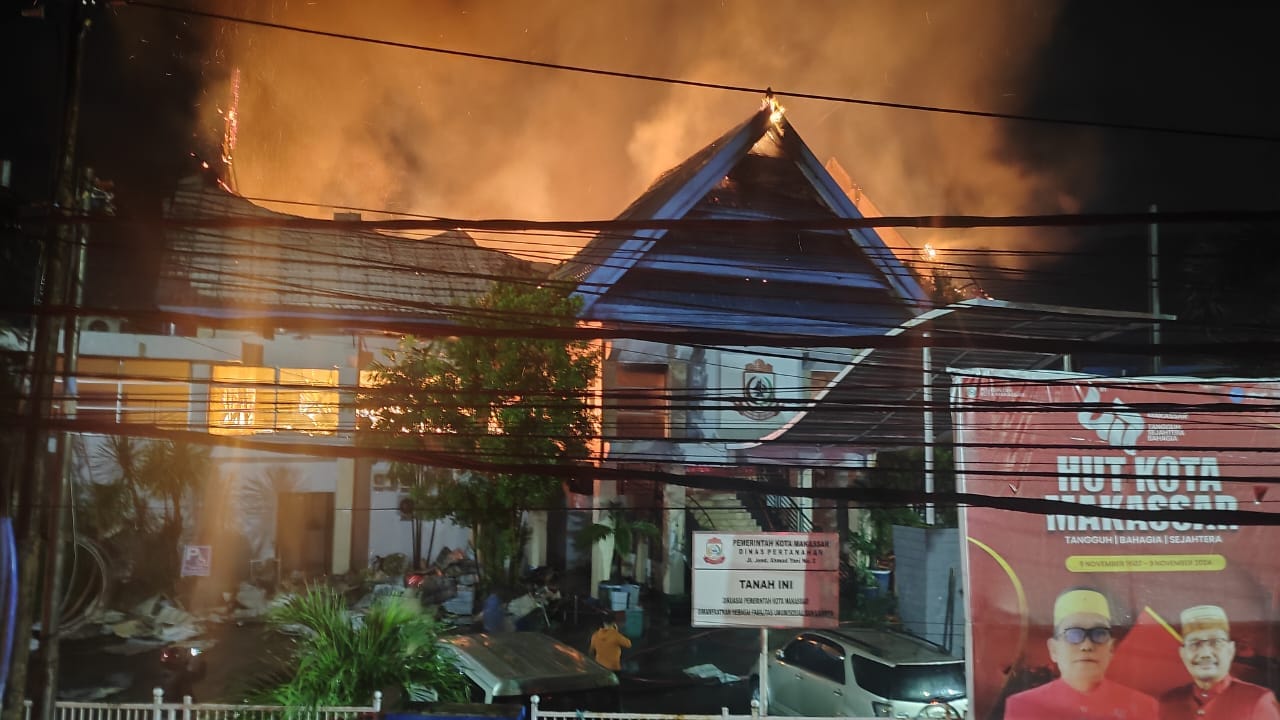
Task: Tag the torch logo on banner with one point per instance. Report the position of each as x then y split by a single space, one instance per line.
1119 429
714 551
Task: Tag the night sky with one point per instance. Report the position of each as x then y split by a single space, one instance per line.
343 123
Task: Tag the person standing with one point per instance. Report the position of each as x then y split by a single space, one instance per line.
1081 647
607 644
1207 650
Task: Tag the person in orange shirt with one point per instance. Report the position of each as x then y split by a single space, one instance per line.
607 644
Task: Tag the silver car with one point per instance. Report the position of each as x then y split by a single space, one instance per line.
856 672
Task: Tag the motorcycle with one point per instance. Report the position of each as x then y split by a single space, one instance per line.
182 666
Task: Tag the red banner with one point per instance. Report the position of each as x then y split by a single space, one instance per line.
1184 602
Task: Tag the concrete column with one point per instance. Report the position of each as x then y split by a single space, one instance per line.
806 503
535 551
642 561
343 499
199 405
602 553
676 556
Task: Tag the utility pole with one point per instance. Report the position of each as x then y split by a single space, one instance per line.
32 504
60 484
926 380
1153 252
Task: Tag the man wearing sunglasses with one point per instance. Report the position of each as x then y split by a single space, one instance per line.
1081 647
1207 651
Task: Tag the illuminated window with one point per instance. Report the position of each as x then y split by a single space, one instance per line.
241 400
307 400
134 390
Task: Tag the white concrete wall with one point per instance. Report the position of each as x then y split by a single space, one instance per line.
227 346
389 534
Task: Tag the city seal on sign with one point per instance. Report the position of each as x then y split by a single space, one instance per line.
759 391
713 553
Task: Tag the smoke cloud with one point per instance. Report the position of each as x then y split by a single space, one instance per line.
338 122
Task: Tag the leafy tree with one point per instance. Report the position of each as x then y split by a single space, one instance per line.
1222 289
341 659
510 397
904 470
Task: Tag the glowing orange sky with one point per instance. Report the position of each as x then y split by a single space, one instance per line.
333 121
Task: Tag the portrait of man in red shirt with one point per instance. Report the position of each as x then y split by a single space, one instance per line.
1207 651
1081 647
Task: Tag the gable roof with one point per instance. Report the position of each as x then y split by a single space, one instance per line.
317 274
844 281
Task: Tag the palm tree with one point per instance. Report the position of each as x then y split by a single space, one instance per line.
123 459
259 500
173 469
340 659
624 530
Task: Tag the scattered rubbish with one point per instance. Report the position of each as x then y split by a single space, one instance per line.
251 601
708 671
130 628
461 603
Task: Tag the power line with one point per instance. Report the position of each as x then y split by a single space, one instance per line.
1018 117
741 227
889 496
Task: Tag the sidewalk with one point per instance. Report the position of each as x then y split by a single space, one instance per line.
653 669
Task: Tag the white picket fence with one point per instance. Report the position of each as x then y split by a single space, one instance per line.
537 714
158 709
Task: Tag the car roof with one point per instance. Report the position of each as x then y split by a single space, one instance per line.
524 663
888 646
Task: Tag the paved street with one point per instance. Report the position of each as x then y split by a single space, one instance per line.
652 679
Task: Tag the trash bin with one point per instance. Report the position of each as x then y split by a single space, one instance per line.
633 625
614 596
883 580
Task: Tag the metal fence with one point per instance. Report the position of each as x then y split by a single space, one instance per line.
158 709
537 714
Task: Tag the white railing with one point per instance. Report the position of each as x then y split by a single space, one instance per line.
537 714
158 709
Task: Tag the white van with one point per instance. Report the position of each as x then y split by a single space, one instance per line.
860 672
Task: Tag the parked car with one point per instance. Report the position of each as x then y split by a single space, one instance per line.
511 667
857 672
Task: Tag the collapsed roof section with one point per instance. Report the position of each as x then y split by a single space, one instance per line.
229 275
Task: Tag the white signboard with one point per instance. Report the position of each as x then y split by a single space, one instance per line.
766 579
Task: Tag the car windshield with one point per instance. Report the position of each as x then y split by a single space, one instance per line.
919 683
